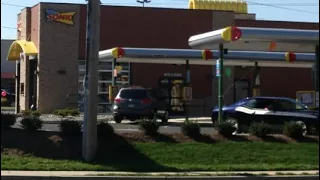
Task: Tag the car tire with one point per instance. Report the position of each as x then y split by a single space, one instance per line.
117 119
235 123
165 117
304 127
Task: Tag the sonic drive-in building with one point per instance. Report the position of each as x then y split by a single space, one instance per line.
50 53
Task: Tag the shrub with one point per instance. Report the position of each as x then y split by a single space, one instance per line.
225 128
149 127
8 120
35 113
293 129
4 101
66 112
31 123
73 112
260 129
104 129
60 112
190 128
69 127
26 113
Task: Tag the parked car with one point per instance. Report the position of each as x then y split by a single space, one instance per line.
137 102
10 97
272 110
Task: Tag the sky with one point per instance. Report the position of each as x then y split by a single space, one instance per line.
284 10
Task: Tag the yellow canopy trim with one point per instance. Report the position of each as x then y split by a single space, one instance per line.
238 6
19 46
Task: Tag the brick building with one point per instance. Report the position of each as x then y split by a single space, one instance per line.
51 68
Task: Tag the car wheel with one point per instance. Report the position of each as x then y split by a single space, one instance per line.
165 117
234 123
117 119
304 127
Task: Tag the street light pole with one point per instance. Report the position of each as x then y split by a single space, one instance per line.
317 74
143 1
89 138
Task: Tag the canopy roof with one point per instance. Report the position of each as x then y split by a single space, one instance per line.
21 46
257 39
205 57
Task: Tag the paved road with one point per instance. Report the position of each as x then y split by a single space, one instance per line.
173 126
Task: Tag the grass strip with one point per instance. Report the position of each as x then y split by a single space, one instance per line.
171 157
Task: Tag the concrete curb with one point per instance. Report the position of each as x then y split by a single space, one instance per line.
165 178
180 120
88 175
123 173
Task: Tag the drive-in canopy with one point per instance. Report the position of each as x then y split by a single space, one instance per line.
257 39
206 57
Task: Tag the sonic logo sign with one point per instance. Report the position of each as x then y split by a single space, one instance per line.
62 17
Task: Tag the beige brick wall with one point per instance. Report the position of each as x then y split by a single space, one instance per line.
24 18
58 50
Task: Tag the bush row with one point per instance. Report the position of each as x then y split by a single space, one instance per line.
66 112
192 129
31 122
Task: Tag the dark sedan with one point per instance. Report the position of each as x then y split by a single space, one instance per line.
272 110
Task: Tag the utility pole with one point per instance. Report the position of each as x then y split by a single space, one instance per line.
143 1
317 74
89 138
220 82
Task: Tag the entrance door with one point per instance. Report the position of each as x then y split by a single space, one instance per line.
241 89
33 84
171 89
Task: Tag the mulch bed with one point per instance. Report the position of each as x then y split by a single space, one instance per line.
54 144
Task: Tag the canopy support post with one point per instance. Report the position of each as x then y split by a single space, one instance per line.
220 83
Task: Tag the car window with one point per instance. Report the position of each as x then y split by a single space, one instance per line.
133 93
286 105
259 103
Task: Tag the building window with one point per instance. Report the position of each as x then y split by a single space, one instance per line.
102 88
105 76
22 88
104 65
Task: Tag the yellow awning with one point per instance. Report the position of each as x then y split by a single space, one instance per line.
19 46
238 6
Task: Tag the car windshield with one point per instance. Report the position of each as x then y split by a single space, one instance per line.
133 93
240 102
299 105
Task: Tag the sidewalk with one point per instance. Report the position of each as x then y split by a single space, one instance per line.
121 173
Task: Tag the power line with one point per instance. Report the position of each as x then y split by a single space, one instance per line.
279 7
179 2
273 5
7 27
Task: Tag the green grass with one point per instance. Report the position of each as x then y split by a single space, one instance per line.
224 156
7 108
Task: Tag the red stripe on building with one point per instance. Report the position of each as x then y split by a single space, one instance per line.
7 75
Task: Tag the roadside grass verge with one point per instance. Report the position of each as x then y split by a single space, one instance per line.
194 156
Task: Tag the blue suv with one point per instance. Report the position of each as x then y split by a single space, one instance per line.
272 110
